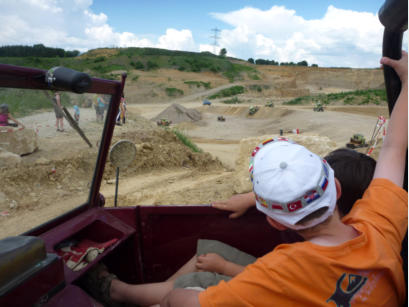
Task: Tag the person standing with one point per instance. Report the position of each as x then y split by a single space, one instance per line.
76 113
100 108
120 118
59 115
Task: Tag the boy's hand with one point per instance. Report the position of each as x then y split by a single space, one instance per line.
210 262
400 66
237 203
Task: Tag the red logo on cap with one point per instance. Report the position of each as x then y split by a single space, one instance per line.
294 206
276 206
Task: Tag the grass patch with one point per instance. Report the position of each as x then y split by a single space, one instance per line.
233 100
256 88
231 91
173 92
198 84
186 141
25 102
254 76
359 97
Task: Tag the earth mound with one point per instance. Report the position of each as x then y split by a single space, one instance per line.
177 114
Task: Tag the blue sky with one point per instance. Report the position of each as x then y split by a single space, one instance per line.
156 16
152 18
328 33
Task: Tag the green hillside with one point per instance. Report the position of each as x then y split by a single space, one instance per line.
359 97
105 63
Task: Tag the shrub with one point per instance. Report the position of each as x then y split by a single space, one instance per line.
99 59
138 65
172 92
231 91
198 84
150 65
233 100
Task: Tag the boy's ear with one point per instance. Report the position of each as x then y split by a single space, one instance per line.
338 188
276 224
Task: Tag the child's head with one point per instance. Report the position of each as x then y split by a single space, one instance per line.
354 171
4 108
292 185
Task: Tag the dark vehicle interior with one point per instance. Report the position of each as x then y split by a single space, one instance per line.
152 242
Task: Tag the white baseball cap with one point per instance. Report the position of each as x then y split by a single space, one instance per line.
290 182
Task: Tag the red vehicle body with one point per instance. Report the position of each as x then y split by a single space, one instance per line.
152 242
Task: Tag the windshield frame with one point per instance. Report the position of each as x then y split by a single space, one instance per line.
31 78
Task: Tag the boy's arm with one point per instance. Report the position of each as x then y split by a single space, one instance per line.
58 99
181 298
392 157
15 120
212 262
237 203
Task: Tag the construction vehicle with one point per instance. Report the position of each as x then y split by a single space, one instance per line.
357 141
163 122
253 110
221 118
318 107
270 104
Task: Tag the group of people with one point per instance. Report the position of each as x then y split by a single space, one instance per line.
350 210
100 105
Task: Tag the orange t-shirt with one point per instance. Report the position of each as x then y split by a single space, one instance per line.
365 271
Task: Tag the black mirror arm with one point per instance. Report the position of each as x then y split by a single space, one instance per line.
392 48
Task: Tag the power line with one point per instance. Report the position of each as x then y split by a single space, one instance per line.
216 37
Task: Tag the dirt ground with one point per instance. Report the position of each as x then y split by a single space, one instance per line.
164 171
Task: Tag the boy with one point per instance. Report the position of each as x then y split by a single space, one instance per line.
355 171
354 261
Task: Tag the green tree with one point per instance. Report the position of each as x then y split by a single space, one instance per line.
223 52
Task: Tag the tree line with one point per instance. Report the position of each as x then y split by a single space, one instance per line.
272 62
38 50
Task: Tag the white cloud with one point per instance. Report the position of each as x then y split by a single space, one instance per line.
177 40
340 38
71 24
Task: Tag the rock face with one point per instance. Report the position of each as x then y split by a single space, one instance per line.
8 159
18 141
